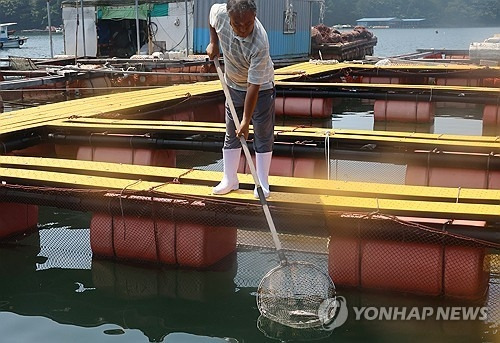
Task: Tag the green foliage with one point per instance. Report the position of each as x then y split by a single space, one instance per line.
30 14
463 13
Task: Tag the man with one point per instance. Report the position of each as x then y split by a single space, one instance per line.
249 74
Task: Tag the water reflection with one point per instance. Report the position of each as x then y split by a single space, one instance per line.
156 301
171 305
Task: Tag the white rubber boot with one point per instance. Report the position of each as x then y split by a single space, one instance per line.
262 164
229 182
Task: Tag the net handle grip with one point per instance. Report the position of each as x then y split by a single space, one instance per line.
251 165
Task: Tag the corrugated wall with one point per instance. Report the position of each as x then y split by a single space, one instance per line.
271 14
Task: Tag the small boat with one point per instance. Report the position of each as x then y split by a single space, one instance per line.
9 41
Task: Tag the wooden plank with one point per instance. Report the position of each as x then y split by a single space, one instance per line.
417 141
386 87
317 67
99 105
114 103
279 183
105 123
463 211
30 82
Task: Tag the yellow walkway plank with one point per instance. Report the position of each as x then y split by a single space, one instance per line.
105 123
385 87
127 101
316 67
285 184
325 202
444 142
104 104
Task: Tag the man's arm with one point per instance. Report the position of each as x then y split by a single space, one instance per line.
250 102
213 46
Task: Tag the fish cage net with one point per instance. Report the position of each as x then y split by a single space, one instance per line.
372 252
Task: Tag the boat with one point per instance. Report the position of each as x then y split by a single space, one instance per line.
9 41
328 43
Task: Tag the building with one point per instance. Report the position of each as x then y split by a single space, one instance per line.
391 22
108 27
412 23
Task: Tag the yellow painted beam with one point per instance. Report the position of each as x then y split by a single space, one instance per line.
442 141
464 211
104 123
280 183
316 67
385 86
99 105
114 103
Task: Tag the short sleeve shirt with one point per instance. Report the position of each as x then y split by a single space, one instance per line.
246 60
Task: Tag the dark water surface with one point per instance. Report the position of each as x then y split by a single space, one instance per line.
53 291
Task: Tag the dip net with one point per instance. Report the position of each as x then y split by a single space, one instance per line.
297 294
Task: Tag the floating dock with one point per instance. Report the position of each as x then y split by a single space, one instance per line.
116 156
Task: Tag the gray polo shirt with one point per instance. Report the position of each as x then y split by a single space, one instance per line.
246 60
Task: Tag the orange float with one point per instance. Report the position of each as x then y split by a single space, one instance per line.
304 107
452 177
418 268
491 82
17 218
382 80
147 157
179 116
491 114
403 111
67 151
464 275
457 82
290 166
39 150
212 112
157 240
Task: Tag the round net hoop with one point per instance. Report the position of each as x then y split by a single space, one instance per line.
295 294
282 333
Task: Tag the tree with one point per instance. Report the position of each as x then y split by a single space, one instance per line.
31 14
464 13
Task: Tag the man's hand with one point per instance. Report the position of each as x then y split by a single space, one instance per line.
250 102
213 50
244 129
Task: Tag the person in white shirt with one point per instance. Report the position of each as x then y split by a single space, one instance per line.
249 74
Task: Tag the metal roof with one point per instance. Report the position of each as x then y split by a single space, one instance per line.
378 19
69 3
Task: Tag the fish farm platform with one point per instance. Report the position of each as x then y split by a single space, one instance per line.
114 117
139 165
440 202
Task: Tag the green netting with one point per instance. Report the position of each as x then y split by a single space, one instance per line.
128 12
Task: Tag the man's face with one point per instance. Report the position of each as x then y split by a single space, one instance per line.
242 23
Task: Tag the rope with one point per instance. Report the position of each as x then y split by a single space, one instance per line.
487 176
178 178
327 153
458 194
121 206
175 180
292 130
